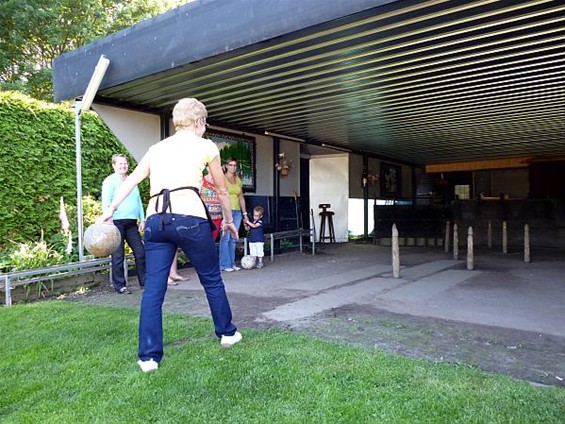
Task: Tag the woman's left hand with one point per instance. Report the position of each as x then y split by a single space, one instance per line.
231 228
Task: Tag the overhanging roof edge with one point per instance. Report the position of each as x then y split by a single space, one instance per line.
183 35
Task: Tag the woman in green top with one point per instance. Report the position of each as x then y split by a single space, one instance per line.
227 242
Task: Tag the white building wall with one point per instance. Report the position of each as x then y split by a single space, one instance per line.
291 183
136 130
263 166
329 183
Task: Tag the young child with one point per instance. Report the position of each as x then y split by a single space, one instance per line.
256 235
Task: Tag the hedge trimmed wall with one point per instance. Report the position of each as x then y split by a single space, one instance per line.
38 166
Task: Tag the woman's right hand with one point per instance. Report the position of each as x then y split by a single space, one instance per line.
106 216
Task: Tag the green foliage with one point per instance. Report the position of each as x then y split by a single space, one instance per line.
64 362
34 32
38 166
91 210
33 255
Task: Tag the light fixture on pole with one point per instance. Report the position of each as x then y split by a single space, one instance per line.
331 146
82 105
286 137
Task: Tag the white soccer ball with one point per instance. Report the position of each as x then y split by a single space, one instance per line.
248 262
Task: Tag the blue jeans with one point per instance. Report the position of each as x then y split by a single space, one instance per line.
129 230
227 243
194 236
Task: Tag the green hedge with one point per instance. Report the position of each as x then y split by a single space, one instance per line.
38 166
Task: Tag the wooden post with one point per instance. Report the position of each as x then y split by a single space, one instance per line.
395 253
470 251
504 237
447 236
272 247
527 243
455 242
489 234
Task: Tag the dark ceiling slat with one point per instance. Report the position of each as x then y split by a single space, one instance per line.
287 64
316 40
416 81
292 114
268 102
434 109
305 76
346 50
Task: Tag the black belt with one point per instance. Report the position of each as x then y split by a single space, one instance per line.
166 193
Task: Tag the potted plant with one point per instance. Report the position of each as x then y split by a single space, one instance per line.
283 165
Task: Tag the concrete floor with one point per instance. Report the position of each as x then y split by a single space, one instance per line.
501 291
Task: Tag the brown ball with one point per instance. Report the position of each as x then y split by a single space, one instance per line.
102 239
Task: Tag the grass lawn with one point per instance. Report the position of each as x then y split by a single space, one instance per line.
66 362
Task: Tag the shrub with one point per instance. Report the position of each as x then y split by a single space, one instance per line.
37 165
33 255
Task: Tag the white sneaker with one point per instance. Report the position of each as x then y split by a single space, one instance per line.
236 268
228 341
228 270
148 366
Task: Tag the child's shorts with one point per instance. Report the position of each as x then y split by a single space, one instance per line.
256 249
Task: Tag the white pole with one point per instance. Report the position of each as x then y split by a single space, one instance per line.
470 251
126 269
395 253
526 243
272 247
8 289
78 153
81 106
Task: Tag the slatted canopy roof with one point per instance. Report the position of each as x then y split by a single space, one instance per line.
420 82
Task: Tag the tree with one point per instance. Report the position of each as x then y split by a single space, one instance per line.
34 32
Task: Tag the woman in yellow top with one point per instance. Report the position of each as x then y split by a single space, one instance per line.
177 217
238 210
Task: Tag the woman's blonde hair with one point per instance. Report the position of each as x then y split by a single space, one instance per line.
187 111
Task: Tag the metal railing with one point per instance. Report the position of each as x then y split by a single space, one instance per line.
279 235
18 278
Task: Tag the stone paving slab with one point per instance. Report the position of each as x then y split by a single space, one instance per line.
429 287
426 268
351 293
